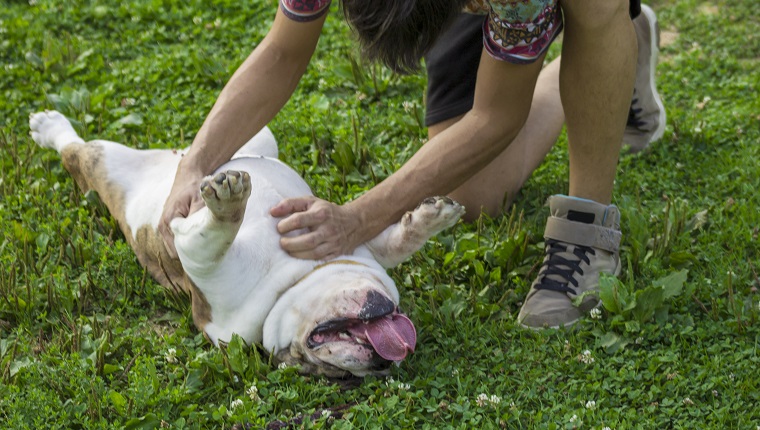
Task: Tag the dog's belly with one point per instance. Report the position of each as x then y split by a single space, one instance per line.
147 180
269 173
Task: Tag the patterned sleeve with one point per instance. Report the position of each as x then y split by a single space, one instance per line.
304 10
521 31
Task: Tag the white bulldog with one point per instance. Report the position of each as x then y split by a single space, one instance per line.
333 318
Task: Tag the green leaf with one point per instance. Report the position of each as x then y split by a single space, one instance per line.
118 401
148 421
672 285
343 156
18 364
647 302
110 368
42 241
236 353
614 295
612 342
35 60
130 119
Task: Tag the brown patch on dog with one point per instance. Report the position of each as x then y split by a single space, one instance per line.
85 164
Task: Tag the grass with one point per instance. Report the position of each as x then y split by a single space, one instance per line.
89 341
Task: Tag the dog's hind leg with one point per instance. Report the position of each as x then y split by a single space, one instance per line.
262 144
52 130
204 237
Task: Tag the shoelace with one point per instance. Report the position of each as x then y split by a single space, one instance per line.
633 115
551 266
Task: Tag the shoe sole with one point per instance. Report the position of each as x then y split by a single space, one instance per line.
654 47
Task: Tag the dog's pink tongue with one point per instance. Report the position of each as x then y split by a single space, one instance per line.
393 337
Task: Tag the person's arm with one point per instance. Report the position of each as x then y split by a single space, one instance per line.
258 89
503 95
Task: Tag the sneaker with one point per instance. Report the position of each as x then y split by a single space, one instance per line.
582 238
646 118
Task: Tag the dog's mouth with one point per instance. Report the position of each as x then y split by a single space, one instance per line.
392 335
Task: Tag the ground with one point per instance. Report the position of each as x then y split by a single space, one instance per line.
88 340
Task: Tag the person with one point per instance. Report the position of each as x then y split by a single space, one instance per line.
477 155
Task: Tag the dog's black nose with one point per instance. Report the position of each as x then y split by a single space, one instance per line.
376 306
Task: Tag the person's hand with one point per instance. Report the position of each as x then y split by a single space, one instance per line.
330 228
184 199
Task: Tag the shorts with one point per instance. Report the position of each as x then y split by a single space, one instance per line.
452 67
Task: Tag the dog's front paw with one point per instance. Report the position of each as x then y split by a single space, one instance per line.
434 214
226 194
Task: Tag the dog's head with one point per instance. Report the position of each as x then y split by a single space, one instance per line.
340 319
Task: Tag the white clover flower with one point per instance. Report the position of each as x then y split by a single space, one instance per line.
687 401
586 357
606 428
197 20
236 404
455 372
639 340
408 106
596 314
282 365
574 418
326 413
171 355
360 96
253 393
591 405
484 400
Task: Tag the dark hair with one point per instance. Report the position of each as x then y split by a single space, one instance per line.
399 32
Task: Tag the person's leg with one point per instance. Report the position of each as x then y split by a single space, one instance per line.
449 96
582 236
596 84
494 188
647 117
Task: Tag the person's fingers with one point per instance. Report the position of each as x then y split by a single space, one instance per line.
304 242
315 216
323 251
292 205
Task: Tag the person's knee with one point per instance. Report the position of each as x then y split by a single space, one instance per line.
594 14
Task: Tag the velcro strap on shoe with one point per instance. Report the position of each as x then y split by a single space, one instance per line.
582 234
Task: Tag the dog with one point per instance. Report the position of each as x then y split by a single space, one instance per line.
333 318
